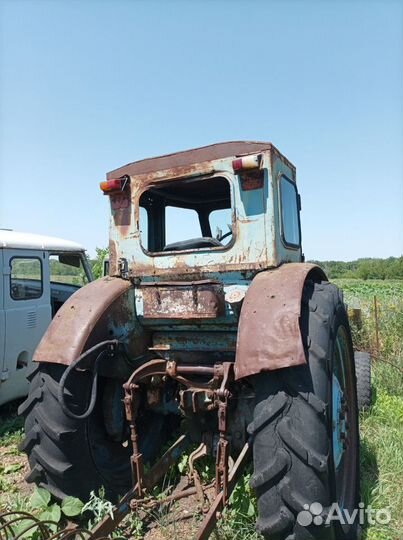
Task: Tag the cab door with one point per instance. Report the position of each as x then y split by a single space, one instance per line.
27 314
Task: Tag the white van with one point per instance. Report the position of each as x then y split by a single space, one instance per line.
38 274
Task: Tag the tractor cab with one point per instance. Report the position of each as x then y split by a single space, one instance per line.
204 213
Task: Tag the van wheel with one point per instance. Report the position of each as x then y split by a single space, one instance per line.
74 457
305 429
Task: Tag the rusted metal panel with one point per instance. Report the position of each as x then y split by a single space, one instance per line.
83 320
269 335
113 258
201 341
121 211
190 157
183 300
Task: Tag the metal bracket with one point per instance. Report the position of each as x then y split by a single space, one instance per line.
123 268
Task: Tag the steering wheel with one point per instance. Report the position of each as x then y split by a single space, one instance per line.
221 238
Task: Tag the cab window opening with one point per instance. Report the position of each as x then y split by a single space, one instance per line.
186 215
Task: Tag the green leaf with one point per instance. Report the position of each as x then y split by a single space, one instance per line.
40 498
71 506
251 509
14 467
22 526
52 513
183 463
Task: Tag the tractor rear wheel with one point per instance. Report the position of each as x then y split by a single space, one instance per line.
305 429
75 457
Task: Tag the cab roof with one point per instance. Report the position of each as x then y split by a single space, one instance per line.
190 157
20 240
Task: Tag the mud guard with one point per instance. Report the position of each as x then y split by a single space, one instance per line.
103 309
269 335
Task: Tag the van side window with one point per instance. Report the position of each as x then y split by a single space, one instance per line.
26 282
290 228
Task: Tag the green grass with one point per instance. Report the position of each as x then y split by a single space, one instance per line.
11 425
12 463
382 427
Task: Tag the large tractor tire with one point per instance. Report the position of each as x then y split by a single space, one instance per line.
73 457
305 429
363 371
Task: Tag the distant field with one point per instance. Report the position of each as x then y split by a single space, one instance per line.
363 291
69 280
65 279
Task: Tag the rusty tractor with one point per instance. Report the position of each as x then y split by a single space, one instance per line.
211 335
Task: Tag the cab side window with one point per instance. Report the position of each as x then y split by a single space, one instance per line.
26 280
290 227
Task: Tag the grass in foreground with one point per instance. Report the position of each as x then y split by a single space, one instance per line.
13 465
382 427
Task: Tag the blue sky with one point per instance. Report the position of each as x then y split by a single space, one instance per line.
87 86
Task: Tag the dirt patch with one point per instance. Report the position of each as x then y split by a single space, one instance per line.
176 522
13 469
179 520
13 464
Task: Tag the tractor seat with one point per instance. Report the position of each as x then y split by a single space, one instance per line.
193 243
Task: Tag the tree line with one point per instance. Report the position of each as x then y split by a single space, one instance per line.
390 268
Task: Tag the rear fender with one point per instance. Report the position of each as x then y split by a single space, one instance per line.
103 309
269 335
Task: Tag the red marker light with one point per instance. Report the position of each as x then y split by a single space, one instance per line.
237 165
116 184
247 162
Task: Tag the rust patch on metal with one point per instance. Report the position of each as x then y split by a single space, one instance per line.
269 335
78 322
183 300
149 180
183 271
121 209
189 157
113 258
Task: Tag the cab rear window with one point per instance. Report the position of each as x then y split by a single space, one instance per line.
186 215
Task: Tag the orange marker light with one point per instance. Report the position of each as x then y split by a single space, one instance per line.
116 184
